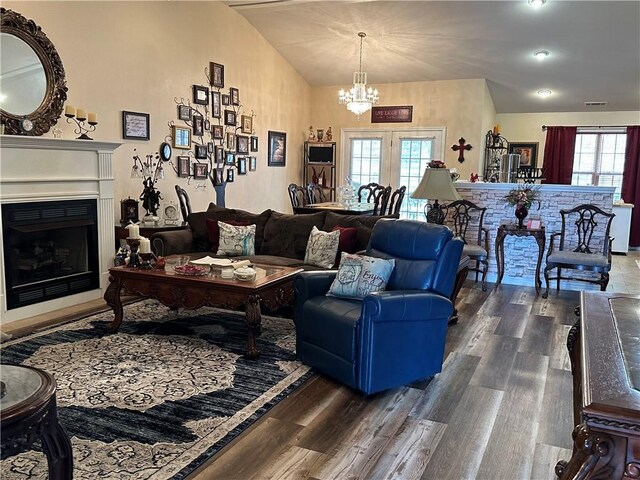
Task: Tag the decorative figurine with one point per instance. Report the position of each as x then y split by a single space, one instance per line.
329 134
320 133
312 136
474 177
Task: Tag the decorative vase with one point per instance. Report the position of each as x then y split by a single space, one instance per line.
521 214
314 177
324 179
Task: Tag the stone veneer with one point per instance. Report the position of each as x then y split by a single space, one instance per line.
521 252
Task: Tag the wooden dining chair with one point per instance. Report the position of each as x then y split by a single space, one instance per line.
316 193
395 203
377 194
298 196
185 203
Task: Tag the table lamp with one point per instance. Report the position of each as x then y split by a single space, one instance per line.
436 184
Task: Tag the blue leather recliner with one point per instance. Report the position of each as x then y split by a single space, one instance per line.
392 337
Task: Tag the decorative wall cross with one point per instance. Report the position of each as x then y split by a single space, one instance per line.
461 147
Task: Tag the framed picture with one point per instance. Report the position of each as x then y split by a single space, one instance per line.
200 95
199 170
252 164
135 126
230 118
217 176
216 75
254 144
210 147
198 127
234 93
217 132
181 137
207 125
230 158
201 152
184 166
184 112
277 155
230 175
246 124
231 141
226 100
528 153
216 105
242 144
242 166
219 154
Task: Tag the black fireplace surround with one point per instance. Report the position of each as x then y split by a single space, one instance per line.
50 250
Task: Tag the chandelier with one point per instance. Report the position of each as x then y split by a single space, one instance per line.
360 97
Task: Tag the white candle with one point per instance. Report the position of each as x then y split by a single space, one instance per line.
145 245
92 117
134 230
81 114
70 110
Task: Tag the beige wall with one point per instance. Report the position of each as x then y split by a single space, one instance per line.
527 127
138 56
459 105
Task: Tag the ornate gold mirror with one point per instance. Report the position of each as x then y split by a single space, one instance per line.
33 87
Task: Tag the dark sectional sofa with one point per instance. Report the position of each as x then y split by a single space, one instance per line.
281 239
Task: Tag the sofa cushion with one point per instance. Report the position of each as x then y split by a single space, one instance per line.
260 220
287 235
364 224
348 239
198 224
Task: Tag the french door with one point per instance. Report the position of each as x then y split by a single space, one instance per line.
391 157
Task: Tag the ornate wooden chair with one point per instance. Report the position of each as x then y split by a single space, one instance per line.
395 203
316 193
298 196
467 223
376 194
587 247
185 203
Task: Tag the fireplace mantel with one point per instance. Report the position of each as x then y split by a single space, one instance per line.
36 169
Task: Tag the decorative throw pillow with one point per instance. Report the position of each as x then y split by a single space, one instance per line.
322 248
236 241
359 275
214 231
348 238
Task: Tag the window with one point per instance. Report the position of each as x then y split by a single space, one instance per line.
365 161
415 153
599 159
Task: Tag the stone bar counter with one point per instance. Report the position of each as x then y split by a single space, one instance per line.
521 253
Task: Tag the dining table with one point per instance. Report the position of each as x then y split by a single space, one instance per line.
355 208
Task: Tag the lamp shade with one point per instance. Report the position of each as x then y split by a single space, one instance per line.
436 184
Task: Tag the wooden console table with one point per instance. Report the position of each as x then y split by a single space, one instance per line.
537 233
605 361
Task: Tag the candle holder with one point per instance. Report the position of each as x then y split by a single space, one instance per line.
146 261
80 128
134 258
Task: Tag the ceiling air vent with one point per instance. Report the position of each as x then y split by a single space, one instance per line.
595 104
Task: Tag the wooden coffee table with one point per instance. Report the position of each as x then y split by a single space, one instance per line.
272 287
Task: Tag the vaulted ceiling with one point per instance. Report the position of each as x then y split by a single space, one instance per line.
594 46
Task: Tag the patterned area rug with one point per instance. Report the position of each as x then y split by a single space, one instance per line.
161 396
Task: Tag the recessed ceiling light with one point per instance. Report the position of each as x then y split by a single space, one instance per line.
544 93
541 54
537 3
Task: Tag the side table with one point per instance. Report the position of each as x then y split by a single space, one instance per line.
504 230
27 412
146 230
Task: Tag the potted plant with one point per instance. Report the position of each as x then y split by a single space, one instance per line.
523 197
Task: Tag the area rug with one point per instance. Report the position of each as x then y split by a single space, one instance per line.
161 396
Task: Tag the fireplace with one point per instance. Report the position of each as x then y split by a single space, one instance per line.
50 250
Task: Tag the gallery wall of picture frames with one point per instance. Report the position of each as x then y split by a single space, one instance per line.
213 133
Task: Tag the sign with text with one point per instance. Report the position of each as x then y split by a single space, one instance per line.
392 114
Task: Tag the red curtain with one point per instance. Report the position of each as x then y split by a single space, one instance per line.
631 181
558 154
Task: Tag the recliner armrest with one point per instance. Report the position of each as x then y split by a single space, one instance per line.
311 284
405 306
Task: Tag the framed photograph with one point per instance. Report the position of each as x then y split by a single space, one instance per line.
242 144
200 95
201 152
230 118
184 112
277 155
230 175
230 158
217 132
135 125
254 144
242 166
528 153
200 170
234 93
252 164
246 124
210 147
181 137
226 100
219 154
231 141
216 75
198 127
216 105
207 125
184 166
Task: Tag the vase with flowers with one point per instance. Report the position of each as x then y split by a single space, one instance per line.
523 198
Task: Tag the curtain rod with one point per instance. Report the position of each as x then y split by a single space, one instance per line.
544 127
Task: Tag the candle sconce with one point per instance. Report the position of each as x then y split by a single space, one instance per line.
80 120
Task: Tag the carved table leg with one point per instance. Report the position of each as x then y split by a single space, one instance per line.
500 255
592 457
112 297
541 241
57 447
254 319
461 276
